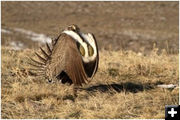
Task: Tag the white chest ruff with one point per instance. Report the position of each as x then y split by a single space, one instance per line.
88 39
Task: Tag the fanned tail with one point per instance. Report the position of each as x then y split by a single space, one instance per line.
41 58
38 66
45 54
48 48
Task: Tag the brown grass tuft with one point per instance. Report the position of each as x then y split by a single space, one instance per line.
125 86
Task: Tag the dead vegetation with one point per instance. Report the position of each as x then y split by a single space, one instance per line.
125 86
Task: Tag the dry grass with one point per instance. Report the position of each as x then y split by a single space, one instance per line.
124 87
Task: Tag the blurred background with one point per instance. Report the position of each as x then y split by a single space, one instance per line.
135 26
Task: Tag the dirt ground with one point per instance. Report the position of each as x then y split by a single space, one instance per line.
117 25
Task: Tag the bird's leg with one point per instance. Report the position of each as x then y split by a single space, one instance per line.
75 88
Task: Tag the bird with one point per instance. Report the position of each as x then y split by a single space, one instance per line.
72 58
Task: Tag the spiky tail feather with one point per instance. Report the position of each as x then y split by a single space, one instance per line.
40 64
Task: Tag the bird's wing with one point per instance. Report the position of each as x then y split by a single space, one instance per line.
67 58
96 62
74 65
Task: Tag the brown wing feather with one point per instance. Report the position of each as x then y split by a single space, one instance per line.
66 57
74 65
97 58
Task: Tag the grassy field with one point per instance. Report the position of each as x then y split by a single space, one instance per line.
139 49
125 86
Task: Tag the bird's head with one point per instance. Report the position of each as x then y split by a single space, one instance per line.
73 28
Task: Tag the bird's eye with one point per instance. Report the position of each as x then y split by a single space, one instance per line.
90 50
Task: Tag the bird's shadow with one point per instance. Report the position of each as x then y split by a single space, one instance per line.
119 87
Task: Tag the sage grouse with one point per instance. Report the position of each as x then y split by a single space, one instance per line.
73 58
